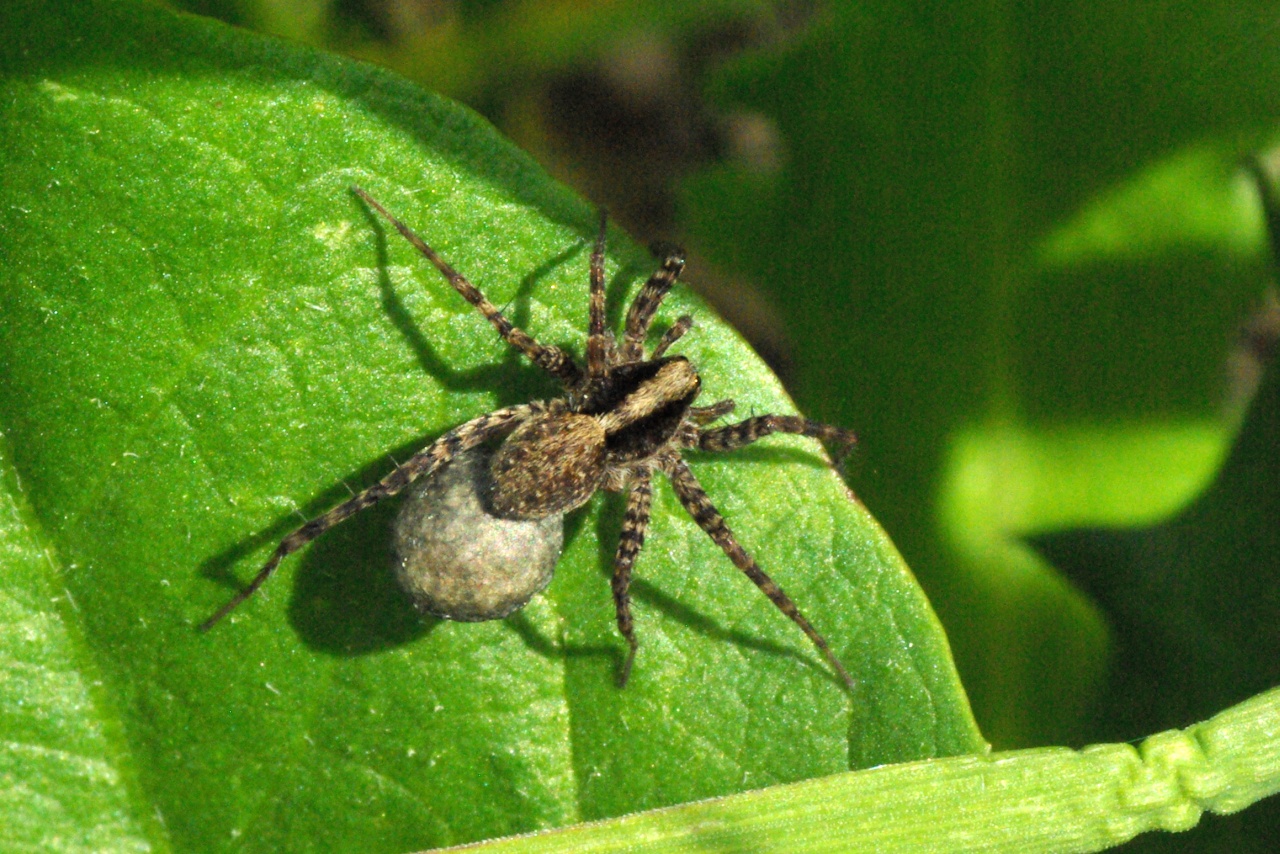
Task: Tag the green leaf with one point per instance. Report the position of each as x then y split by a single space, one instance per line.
207 338
66 787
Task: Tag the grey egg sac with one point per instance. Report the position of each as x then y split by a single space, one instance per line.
459 561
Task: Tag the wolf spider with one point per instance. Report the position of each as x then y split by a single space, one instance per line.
623 417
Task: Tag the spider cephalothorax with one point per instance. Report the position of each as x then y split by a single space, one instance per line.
624 417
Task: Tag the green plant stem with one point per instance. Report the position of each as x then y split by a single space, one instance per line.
1047 799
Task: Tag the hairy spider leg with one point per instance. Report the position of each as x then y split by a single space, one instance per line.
551 359
698 503
745 432
442 450
598 343
634 526
682 325
640 315
706 414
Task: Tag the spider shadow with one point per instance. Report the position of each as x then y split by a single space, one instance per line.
539 643
345 599
608 528
512 377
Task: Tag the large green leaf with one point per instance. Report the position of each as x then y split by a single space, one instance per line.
206 337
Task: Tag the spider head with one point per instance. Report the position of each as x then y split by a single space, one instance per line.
642 404
555 461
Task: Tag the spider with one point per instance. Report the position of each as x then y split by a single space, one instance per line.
623 418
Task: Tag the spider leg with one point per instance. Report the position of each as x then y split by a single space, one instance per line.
553 360
689 434
707 414
696 501
631 541
682 325
439 452
745 432
597 342
640 315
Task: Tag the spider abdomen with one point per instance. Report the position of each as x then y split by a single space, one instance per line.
551 464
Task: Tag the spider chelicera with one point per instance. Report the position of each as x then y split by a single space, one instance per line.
623 418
